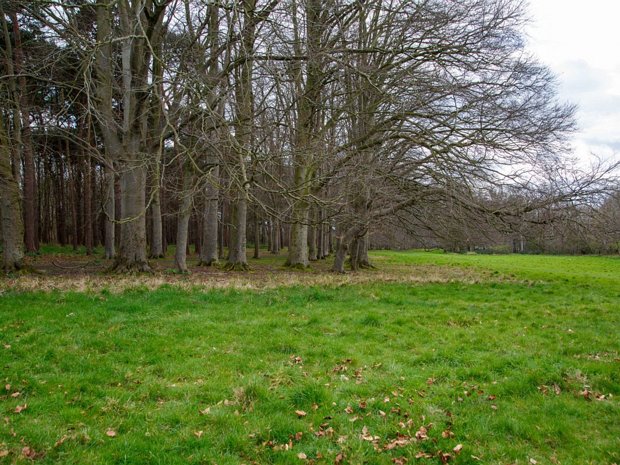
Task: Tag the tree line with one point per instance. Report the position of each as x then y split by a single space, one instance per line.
299 123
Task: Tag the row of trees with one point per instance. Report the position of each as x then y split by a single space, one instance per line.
138 123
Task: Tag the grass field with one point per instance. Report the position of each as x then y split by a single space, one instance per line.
508 360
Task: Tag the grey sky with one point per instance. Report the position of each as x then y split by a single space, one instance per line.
580 42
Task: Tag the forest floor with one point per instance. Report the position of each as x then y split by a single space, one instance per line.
431 358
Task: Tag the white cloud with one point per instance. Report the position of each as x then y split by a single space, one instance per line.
579 42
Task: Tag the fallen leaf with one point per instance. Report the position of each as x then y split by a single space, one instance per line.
315 406
457 449
339 459
300 413
533 461
349 409
110 433
29 452
205 411
400 441
198 434
21 408
447 434
7 387
16 394
421 435
399 460
491 397
61 440
302 456
382 413
444 457
4 453
362 405
423 455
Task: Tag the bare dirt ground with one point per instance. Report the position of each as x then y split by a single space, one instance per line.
83 273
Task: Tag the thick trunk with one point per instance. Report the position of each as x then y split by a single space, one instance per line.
185 211
341 254
237 258
209 250
132 251
361 257
10 214
109 213
343 241
298 246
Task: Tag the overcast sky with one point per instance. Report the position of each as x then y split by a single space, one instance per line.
580 42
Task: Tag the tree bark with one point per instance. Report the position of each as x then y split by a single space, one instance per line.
131 256
10 212
185 212
257 226
157 241
209 251
237 256
29 181
312 239
109 210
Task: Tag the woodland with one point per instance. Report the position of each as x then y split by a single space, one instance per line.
313 126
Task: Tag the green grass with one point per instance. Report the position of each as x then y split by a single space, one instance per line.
483 361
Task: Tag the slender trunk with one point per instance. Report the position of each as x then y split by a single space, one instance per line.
209 249
256 236
88 217
109 208
10 214
30 187
157 241
185 212
61 210
275 236
75 196
312 249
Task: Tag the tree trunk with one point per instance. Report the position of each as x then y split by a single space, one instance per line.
341 254
209 251
257 226
132 251
88 216
298 246
29 181
109 213
185 212
362 259
157 241
312 242
237 258
10 212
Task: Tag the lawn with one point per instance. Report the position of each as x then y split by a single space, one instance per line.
516 363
